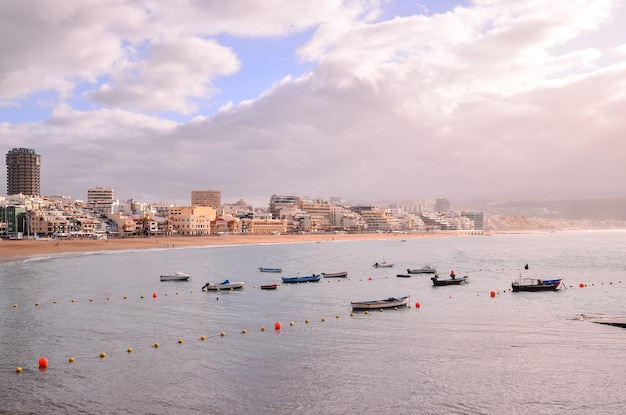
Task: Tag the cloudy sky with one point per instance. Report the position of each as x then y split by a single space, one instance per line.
361 99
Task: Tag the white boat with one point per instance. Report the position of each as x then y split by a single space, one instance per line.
175 276
427 269
270 269
224 285
390 302
383 264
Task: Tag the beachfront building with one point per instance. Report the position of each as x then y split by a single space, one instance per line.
191 220
100 200
263 226
211 198
278 204
49 223
23 172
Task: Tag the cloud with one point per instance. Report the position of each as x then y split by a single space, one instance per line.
495 99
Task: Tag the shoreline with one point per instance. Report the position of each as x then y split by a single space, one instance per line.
21 250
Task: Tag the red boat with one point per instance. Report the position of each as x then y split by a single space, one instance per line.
269 286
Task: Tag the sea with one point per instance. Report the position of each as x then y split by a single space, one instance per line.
142 346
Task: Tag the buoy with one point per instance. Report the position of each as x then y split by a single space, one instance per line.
244 331
91 300
108 298
277 325
367 312
18 370
71 360
203 338
369 279
417 305
43 363
180 341
156 345
54 302
323 318
492 294
291 323
337 316
581 285
154 295
73 300
351 314
262 328
103 355
223 334
129 350
14 305
125 297
142 297
37 303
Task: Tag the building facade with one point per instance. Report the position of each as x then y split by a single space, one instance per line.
211 198
100 200
23 172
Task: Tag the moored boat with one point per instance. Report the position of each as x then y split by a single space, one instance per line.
427 269
403 275
175 276
451 281
341 274
224 285
383 264
269 286
390 302
270 269
308 278
536 284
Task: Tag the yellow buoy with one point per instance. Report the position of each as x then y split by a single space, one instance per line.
367 312
291 323
262 328
54 302
323 318
180 341
129 350
337 316
125 297
37 303
18 369
156 345
73 300
203 338
91 300
108 298
306 321
14 305
223 334
103 355
71 360
244 331
351 314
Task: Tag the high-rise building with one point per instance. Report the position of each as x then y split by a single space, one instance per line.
100 199
23 172
211 198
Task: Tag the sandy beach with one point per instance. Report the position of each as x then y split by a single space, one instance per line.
14 250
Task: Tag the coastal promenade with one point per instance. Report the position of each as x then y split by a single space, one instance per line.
14 250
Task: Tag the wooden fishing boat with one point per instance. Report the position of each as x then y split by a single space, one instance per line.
224 285
536 284
270 269
269 286
308 278
403 275
341 274
451 281
390 302
427 269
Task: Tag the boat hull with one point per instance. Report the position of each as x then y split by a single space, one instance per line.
176 276
425 270
229 286
269 287
378 304
310 278
342 274
266 269
453 281
532 285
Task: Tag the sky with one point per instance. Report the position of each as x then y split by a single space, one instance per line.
359 99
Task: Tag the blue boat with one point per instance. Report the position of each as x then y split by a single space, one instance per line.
308 278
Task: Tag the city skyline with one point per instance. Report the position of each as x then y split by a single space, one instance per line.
366 100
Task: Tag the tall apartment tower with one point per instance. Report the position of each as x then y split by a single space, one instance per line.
23 172
211 198
100 199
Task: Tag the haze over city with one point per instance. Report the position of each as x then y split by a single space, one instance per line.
359 99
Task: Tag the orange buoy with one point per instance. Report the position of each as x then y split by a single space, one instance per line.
154 295
581 285
492 294
417 305
43 363
277 325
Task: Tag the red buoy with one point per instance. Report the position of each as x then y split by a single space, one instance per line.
277 325
493 294
370 278
154 295
43 363
581 285
417 305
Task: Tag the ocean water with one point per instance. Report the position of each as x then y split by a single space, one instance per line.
461 351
